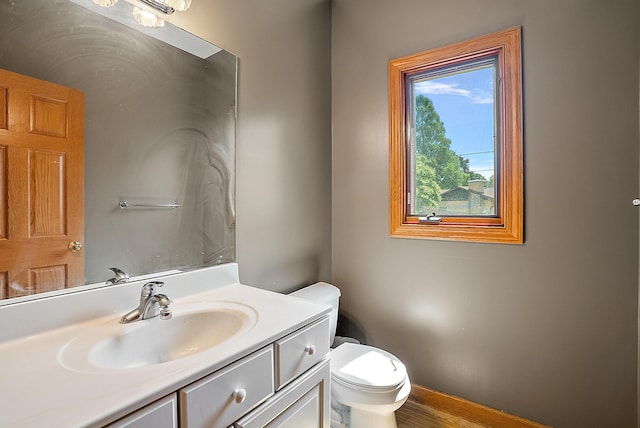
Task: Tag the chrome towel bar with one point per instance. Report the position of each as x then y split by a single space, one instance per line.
125 205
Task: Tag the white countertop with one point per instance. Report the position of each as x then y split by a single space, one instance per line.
37 390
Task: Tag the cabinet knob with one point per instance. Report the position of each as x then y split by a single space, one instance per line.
239 395
310 349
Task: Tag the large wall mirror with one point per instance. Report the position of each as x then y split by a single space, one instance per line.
159 137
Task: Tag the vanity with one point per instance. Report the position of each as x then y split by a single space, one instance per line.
230 356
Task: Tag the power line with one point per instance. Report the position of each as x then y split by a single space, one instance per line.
477 153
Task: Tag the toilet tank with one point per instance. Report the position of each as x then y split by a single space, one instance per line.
322 292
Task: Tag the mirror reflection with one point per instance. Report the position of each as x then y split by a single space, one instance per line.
159 135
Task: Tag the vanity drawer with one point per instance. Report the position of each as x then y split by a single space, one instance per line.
299 351
161 414
223 397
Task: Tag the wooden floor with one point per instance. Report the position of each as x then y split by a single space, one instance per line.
416 415
426 408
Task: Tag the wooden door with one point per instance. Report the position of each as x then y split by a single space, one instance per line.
41 186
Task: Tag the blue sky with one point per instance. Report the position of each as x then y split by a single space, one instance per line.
464 102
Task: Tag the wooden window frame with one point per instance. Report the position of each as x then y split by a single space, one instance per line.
507 226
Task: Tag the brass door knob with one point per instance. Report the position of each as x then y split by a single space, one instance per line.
75 246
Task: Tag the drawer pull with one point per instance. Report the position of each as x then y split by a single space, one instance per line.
310 349
239 395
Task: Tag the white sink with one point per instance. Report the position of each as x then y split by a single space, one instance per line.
194 328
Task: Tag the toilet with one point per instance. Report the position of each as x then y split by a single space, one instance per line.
367 384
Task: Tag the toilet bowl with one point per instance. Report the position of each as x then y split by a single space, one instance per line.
372 382
367 384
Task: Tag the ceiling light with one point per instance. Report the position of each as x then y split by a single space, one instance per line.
147 19
144 11
161 6
105 3
179 5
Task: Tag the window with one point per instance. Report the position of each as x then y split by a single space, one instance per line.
456 141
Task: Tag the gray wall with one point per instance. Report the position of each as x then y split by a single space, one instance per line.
283 234
551 334
547 330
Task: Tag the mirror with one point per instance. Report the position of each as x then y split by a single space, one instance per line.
159 129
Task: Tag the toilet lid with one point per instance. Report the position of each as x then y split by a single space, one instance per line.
366 366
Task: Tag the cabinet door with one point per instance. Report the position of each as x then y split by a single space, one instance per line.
161 414
305 403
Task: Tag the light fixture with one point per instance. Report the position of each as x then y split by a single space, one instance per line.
166 7
105 3
147 19
160 6
179 5
149 12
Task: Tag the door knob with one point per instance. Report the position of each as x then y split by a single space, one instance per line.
75 246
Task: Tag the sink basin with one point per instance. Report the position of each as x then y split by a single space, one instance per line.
194 328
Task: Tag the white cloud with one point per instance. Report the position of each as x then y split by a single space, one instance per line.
482 99
430 87
437 88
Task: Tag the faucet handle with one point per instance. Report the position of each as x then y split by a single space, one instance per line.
120 276
163 302
150 287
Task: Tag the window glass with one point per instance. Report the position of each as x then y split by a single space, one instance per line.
453 140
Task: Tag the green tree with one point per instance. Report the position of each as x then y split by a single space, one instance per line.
427 187
432 142
471 174
491 181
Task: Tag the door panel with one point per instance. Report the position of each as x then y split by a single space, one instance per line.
3 193
46 194
41 185
48 117
48 278
3 108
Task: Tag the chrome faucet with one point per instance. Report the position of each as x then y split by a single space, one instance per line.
151 305
120 276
